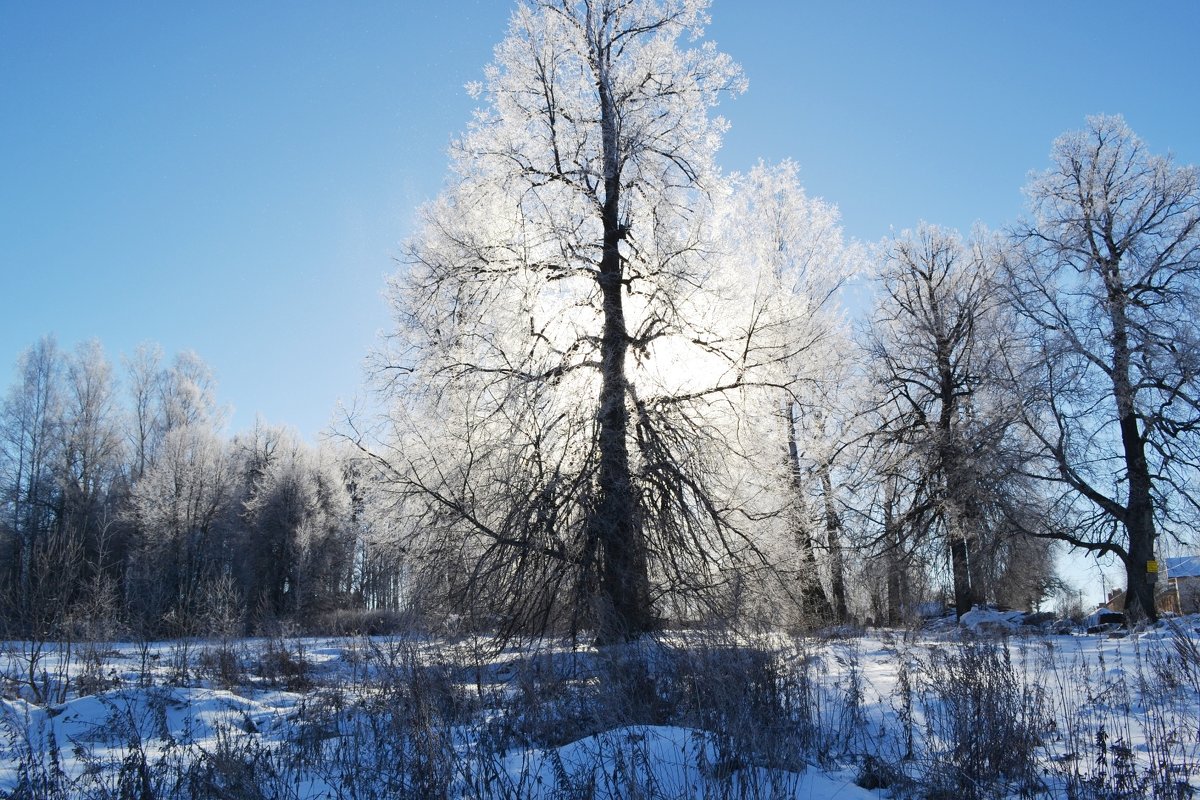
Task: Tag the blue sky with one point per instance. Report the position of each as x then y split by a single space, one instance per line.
235 178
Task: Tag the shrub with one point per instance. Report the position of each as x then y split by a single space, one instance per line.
984 722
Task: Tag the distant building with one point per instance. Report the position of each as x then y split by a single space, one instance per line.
1178 588
1115 601
1181 585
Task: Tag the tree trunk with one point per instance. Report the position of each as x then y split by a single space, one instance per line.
812 594
963 596
895 598
958 507
1139 521
964 524
895 564
979 553
624 602
1139 592
1139 516
832 528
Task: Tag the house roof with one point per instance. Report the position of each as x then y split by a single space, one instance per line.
1183 567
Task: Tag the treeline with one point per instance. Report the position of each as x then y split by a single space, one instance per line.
622 390
123 508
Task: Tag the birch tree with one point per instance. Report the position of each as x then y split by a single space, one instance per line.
90 474
791 249
30 442
177 508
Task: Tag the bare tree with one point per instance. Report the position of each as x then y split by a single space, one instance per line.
792 247
188 393
582 376
934 340
177 507
144 376
91 458
294 558
1106 283
144 514
30 438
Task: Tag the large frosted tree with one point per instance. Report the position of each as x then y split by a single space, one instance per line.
1107 282
573 339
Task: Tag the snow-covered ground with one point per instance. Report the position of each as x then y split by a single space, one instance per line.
984 709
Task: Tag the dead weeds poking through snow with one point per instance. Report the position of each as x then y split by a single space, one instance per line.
688 715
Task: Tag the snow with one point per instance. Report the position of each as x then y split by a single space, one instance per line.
1131 692
679 759
1182 567
990 621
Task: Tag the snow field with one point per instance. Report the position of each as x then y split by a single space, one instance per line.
884 714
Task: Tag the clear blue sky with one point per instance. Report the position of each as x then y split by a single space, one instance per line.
235 178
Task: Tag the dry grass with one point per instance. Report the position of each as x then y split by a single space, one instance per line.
414 718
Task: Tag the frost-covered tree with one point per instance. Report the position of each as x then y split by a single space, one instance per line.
143 376
92 454
90 475
791 250
582 420
187 393
164 398
142 513
1107 284
177 508
935 341
295 554
30 444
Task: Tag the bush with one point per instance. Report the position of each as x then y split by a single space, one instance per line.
282 664
984 722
